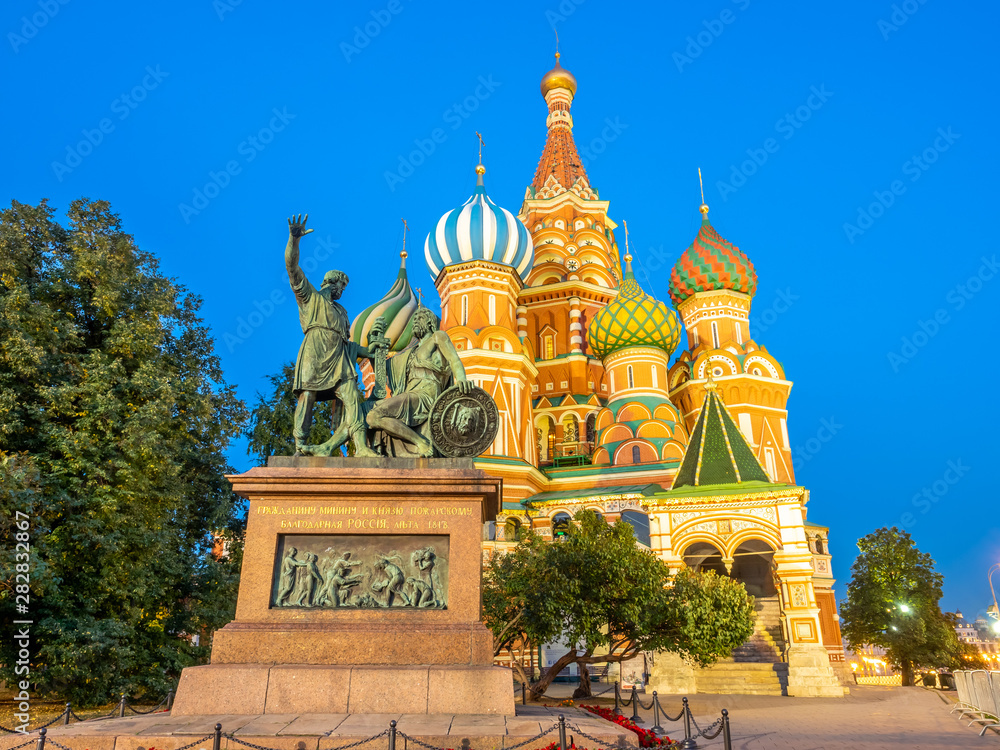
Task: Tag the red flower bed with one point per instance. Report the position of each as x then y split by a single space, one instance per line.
646 738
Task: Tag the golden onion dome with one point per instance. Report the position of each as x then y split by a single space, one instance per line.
558 78
633 318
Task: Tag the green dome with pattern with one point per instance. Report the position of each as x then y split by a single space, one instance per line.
633 318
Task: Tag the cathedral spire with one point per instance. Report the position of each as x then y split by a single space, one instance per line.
560 160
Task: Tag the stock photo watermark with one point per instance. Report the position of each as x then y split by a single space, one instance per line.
786 126
597 146
803 454
957 297
924 500
94 137
249 149
901 13
762 319
453 116
222 7
31 25
563 11
263 308
914 168
714 28
364 34
22 627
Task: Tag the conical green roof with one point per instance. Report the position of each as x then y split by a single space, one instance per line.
717 453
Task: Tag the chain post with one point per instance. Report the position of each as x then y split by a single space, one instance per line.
69 708
636 719
392 735
727 738
121 707
618 700
41 739
524 694
217 740
562 732
170 699
656 729
689 742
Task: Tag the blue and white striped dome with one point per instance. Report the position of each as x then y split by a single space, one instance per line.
479 229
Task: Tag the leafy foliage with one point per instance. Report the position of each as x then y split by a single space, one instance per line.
270 430
893 602
114 419
597 589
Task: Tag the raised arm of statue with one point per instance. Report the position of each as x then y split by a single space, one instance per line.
296 231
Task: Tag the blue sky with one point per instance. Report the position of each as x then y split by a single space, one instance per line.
849 149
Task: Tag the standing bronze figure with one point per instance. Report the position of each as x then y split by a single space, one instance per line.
325 369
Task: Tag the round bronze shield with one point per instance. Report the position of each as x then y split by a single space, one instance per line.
463 424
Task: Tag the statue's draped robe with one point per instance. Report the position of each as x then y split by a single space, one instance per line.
415 383
327 356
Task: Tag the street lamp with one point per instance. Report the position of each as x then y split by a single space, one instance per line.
904 608
995 612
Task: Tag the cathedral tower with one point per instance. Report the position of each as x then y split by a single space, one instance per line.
477 254
712 284
575 274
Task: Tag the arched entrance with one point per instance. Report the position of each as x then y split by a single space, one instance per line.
702 557
753 566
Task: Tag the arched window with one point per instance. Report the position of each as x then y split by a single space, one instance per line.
636 455
639 523
715 334
560 524
591 427
512 529
465 309
631 379
652 371
695 332
493 310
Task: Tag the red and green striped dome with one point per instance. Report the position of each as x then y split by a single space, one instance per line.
711 262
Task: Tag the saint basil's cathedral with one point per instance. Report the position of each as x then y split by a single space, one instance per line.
548 318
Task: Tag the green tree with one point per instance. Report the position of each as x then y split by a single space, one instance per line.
114 421
597 589
273 418
893 602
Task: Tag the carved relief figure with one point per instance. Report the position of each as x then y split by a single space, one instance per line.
289 567
392 584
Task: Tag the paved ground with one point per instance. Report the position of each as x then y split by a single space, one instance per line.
871 718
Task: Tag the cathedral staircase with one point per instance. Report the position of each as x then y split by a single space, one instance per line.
756 667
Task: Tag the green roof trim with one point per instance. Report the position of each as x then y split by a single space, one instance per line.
736 488
718 453
632 489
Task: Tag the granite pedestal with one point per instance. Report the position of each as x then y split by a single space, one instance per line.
280 658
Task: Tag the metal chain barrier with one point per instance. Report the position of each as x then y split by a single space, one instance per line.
667 716
383 733
196 742
537 737
414 740
24 744
53 742
154 709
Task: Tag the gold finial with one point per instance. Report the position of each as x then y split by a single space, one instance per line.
556 32
710 384
704 206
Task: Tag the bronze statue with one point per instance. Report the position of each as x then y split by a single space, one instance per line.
325 369
417 376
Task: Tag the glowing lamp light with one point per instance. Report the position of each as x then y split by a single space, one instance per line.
904 608
996 627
